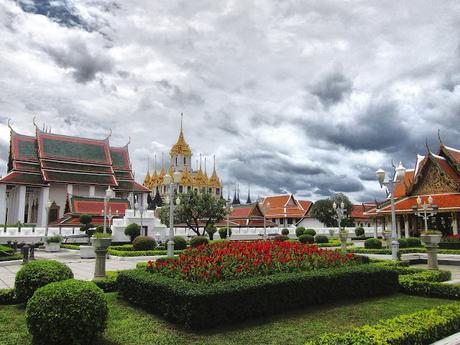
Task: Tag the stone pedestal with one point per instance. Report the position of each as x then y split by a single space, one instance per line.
100 248
387 237
431 242
343 240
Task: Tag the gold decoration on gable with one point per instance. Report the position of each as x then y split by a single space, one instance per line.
434 181
181 147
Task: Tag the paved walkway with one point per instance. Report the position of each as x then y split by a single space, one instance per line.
82 268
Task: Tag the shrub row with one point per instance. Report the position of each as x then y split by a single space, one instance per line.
70 246
139 252
203 306
6 251
16 256
7 296
423 327
109 283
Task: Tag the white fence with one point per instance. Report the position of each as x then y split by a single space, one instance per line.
29 235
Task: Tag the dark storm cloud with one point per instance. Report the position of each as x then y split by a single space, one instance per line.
177 95
61 12
83 63
332 89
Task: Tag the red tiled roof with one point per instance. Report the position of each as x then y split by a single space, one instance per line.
447 201
454 153
94 206
23 178
402 186
23 147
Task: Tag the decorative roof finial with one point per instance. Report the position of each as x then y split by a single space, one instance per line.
35 124
148 165
9 125
249 201
129 139
427 147
110 134
181 118
439 137
155 162
200 162
205 170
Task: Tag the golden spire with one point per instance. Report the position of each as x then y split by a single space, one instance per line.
181 147
186 179
171 169
162 171
154 177
147 179
214 180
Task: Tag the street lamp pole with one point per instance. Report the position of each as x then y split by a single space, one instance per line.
390 185
47 207
423 212
230 210
267 208
172 181
339 212
108 195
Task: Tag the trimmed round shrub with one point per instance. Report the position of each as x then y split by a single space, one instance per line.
100 229
85 219
373 243
413 242
285 232
133 230
309 232
321 239
359 231
36 274
307 239
281 238
67 312
223 232
144 243
402 243
299 231
198 241
211 230
179 243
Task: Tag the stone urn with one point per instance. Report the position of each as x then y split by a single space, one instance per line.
431 240
343 235
100 245
52 247
87 252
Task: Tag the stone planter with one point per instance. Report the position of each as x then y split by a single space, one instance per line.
431 242
87 252
100 246
52 247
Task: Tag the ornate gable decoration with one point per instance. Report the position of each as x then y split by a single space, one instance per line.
433 180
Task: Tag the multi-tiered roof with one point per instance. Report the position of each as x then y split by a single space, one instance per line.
52 158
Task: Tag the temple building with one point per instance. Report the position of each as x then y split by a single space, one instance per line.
65 176
435 175
180 159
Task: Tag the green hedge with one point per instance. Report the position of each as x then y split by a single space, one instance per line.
70 246
109 283
423 327
401 250
204 306
6 251
7 296
140 252
16 256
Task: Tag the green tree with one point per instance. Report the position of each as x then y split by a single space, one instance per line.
197 210
324 212
87 227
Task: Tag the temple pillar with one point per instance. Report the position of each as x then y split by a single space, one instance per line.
376 223
20 204
92 191
406 226
42 201
144 199
454 224
70 189
2 203
30 201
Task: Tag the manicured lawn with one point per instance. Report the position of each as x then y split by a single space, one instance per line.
128 325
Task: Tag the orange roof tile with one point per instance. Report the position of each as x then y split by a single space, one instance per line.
447 201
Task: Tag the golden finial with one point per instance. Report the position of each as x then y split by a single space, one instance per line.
181 147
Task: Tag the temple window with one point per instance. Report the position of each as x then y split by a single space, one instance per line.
180 189
185 161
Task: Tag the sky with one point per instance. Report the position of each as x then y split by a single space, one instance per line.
304 97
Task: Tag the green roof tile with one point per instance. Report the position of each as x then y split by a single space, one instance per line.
54 148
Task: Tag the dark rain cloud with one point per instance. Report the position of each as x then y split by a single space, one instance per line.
332 88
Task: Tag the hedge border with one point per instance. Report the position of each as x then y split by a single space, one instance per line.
423 327
202 306
413 250
7 296
126 253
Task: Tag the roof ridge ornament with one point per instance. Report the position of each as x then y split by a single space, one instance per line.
9 125
110 134
439 137
129 140
427 147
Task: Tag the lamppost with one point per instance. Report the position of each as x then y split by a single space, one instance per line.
47 207
109 216
267 208
339 215
390 185
230 210
108 196
172 181
421 210
141 209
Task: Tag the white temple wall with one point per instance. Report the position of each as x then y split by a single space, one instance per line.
3 203
58 194
80 190
311 223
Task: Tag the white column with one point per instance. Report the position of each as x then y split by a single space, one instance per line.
20 204
30 201
376 227
92 191
454 224
42 201
144 199
131 199
398 226
406 226
2 203
70 189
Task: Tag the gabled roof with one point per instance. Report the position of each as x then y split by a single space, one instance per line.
285 206
445 202
120 158
402 187
23 148
94 206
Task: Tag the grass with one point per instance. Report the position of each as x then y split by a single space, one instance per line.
129 325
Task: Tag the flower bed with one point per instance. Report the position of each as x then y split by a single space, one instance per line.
228 301
235 260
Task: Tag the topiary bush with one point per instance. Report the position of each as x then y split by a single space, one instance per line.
67 312
179 243
133 230
402 243
373 243
307 239
309 232
359 231
223 232
281 238
321 239
413 242
211 230
198 241
299 231
285 232
144 243
36 274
